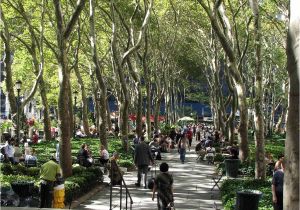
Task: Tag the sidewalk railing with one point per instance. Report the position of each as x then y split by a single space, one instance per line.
127 193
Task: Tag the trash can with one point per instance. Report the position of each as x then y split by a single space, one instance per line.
248 199
59 196
232 167
24 189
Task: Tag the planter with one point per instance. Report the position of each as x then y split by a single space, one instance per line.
248 199
23 188
232 167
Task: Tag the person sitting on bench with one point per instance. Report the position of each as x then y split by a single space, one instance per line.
84 156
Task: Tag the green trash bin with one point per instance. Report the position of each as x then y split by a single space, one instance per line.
232 167
248 199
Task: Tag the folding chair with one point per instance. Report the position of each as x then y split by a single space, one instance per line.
216 179
201 154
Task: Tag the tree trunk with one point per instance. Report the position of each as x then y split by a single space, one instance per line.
47 121
282 117
291 174
85 120
260 169
64 97
109 123
5 36
100 79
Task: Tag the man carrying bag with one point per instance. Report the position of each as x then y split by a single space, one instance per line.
163 184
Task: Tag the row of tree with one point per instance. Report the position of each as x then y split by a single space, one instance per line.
158 52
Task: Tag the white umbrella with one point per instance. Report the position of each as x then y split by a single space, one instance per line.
185 119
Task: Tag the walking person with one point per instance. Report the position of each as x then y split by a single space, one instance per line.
163 184
277 189
183 144
50 171
142 158
198 135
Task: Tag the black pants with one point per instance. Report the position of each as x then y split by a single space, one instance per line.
142 169
279 204
190 142
46 194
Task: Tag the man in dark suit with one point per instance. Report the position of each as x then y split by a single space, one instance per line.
142 158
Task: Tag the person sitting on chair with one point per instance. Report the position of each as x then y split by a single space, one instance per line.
210 154
200 151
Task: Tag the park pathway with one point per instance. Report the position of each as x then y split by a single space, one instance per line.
192 187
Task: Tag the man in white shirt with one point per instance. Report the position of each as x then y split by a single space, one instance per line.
10 150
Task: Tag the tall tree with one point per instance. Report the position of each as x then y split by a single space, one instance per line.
221 25
291 174
100 78
260 168
65 114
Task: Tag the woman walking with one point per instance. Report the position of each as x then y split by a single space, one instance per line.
182 145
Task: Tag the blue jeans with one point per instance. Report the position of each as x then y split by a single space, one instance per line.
182 152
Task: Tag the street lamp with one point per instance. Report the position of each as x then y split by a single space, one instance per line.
75 98
18 87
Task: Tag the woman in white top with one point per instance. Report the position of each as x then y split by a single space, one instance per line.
182 145
104 155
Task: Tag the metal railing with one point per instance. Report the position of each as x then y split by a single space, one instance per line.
121 184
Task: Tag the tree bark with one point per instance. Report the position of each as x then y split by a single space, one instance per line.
64 98
291 174
100 78
5 36
260 168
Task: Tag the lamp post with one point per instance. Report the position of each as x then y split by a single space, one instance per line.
18 87
74 119
98 113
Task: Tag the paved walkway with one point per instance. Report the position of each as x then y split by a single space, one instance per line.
192 187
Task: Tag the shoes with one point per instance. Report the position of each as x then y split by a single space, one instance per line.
145 187
137 184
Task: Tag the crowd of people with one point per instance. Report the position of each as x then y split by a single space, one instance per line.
11 152
145 154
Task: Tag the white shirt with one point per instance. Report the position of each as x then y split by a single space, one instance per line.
105 154
30 157
9 150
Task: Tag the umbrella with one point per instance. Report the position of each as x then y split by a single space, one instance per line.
185 119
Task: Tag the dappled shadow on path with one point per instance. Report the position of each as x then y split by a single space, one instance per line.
192 187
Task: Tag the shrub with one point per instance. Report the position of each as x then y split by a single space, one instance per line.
231 186
7 179
126 163
82 180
